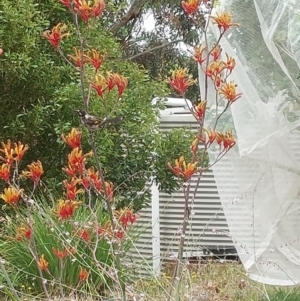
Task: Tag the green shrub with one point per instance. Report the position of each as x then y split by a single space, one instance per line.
39 92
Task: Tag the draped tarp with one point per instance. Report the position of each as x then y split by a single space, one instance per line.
265 167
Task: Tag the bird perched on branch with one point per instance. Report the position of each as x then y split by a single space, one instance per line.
95 123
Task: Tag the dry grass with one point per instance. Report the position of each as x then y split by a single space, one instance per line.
213 281
210 281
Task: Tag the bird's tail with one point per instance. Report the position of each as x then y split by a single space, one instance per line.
114 120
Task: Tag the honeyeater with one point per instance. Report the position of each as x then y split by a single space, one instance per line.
95 123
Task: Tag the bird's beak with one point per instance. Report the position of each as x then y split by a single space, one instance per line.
77 111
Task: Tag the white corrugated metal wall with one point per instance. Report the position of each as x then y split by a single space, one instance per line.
208 228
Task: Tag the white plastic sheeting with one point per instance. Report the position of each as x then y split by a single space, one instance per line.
265 165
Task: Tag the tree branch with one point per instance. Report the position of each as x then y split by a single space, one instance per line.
154 48
132 13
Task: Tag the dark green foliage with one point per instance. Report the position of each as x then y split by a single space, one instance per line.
30 75
171 148
39 92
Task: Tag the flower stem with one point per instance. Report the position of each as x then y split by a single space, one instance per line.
111 217
9 283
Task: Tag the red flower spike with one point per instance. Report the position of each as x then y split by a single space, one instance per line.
101 231
208 136
181 169
122 85
83 274
228 90
95 58
225 140
61 254
199 110
71 188
133 218
98 8
111 80
114 79
198 54
219 138
8 152
217 81
43 263
85 235
86 183
126 217
56 34
23 232
224 21
91 178
85 10
216 52
230 63
77 161
5 172
70 170
27 233
19 150
79 58
66 208
13 153
73 139
99 84
229 141
215 68
194 146
120 234
211 136
109 190
66 3
106 229
35 171
11 195
180 80
190 6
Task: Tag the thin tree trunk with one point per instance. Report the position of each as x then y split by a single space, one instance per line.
132 13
